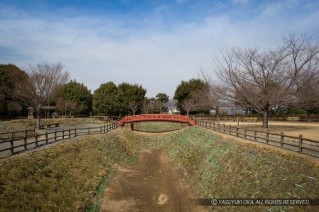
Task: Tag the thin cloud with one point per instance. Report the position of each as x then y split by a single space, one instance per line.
240 1
102 47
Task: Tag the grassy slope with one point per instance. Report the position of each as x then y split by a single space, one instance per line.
64 176
219 168
155 127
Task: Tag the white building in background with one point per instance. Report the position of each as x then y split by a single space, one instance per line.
172 108
173 111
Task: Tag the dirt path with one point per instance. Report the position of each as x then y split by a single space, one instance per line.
152 184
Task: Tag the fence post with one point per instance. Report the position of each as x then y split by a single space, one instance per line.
282 140
11 142
75 132
36 140
230 129
63 134
255 135
300 144
214 126
69 132
224 128
46 137
237 132
89 130
104 128
25 139
245 134
267 137
55 136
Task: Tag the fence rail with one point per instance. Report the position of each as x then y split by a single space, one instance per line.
17 134
22 141
254 118
297 144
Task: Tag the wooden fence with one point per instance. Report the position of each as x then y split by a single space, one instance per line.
21 141
254 118
298 144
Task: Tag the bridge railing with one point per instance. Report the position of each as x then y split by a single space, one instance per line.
156 117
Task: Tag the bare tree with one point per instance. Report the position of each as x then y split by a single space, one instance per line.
189 104
66 106
307 97
265 80
212 97
40 87
145 106
133 106
195 101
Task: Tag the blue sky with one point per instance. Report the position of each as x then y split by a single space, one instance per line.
156 43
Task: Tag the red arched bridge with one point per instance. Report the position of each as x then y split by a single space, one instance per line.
156 117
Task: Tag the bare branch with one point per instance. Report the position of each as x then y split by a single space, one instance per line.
40 86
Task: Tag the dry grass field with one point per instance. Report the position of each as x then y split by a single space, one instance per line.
307 130
26 124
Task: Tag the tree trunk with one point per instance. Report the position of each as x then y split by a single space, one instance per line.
38 112
308 116
265 119
217 113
